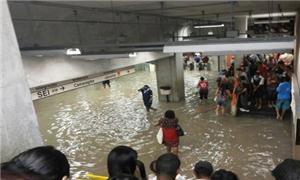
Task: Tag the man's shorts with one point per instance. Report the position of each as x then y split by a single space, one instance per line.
283 104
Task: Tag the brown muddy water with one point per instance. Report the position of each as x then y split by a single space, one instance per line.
88 122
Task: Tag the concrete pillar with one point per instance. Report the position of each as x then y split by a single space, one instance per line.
295 104
169 72
19 126
221 63
241 25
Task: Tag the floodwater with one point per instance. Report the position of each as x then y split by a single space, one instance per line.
88 122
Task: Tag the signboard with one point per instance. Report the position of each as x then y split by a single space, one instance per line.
50 90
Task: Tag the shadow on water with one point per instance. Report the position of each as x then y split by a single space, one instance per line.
87 123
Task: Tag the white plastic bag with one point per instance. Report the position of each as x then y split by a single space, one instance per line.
159 136
216 98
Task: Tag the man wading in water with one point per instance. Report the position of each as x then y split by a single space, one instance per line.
147 97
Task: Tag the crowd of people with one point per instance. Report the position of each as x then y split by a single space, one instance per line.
48 163
259 82
196 60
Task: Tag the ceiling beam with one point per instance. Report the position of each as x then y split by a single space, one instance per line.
233 46
183 7
94 9
229 13
86 21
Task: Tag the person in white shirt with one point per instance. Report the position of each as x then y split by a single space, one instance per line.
258 88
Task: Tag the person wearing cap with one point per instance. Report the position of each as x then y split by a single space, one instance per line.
147 97
203 170
258 84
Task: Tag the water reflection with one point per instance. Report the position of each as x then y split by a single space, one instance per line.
87 123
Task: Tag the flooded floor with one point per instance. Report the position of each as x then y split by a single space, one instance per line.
88 122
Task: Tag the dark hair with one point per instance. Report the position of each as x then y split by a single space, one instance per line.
222 174
203 169
19 176
289 169
44 161
284 78
280 62
166 165
243 78
202 78
124 177
123 160
170 114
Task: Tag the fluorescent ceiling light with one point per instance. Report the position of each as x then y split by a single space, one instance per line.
132 54
272 21
223 48
208 26
273 15
73 51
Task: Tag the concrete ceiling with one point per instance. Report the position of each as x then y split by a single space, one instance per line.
190 9
101 25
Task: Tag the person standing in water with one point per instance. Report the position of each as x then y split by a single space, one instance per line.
106 82
147 97
203 88
169 124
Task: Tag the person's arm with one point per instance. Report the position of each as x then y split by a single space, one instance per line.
217 92
150 95
252 83
158 123
262 81
278 89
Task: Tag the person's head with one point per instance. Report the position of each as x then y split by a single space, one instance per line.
242 78
257 72
170 114
124 177
280 63
146 87
45 162
289 169
123 160
222 174
284 79
202 78
166 166
203 169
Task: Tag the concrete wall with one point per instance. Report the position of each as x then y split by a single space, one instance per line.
47 70
19 127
